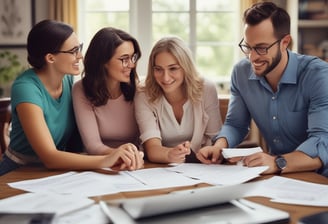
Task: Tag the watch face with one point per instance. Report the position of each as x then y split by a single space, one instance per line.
281 162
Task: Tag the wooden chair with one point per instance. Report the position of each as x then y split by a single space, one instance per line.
254 138
5 119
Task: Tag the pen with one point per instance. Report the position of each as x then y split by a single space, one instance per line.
104 208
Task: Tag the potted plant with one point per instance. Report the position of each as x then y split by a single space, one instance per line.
10 67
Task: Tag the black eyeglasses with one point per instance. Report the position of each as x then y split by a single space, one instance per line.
126 60
259 50
74 51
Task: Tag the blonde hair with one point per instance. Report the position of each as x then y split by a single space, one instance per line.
193 83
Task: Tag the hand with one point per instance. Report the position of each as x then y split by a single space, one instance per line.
125 157
258 159
179 152
210 154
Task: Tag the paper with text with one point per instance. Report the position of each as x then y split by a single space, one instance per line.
218 174
90 184
93 184
291 191
44 202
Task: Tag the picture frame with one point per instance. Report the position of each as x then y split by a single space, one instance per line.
16 20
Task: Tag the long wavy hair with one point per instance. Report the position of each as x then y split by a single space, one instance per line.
193 83
94 77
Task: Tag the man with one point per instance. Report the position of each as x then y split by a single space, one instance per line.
285 93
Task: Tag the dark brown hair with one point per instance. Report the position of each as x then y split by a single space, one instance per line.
101 49
264 10
46 37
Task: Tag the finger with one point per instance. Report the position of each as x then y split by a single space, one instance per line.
133 155
202 158
186 144
142 154
180 148
188 151
127 159
135 158
140 160
181 159
123 166
235 159
216 156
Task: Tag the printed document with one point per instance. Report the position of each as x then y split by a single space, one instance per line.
291 191
90 184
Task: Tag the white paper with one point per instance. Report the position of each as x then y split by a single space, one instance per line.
89 184
155 178
240 152
218 174
89 215
43 202
291 191
85 184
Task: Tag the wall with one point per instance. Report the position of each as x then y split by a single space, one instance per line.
41 12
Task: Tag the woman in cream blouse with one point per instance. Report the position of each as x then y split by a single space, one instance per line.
177 111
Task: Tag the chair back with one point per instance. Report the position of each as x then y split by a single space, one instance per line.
5 119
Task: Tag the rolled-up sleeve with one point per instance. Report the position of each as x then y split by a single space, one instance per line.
316 145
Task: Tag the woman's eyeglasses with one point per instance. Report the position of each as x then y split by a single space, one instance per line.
126 60
74 51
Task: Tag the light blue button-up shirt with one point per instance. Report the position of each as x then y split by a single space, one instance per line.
295 117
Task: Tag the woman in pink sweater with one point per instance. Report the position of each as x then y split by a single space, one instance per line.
103 99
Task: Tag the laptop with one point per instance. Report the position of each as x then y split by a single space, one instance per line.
213 204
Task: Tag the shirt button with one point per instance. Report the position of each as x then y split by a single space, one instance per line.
274 118
273 98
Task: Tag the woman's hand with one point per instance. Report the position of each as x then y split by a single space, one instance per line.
179 152
125 157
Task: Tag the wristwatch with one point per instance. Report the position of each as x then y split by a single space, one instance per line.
281 163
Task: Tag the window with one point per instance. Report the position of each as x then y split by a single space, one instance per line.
211 28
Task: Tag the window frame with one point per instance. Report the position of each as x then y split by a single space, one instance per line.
140 26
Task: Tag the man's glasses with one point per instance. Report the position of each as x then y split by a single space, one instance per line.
74 51
126 60
259 50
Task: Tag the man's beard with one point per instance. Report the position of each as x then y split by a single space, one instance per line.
274 63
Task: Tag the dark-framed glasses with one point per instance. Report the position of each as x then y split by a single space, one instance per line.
74 51
126 60
259 50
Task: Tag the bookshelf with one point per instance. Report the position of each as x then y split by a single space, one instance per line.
309 26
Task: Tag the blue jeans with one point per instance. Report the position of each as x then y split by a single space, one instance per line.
7 165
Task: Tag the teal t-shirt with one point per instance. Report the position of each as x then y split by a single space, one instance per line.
58 113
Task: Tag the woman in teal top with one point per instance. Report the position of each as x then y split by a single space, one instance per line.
42 112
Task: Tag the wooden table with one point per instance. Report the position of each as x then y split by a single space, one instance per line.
295 211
